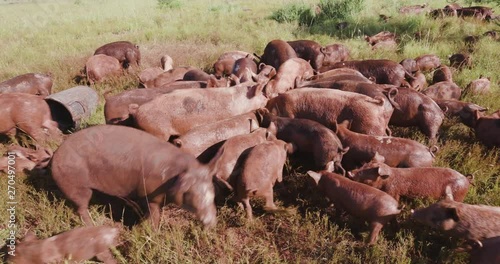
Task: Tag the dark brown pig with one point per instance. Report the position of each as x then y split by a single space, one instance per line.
131 164
261 169
289 73
427 62
179 111
200 138
465 111
170 76
243 70
310 51
328 107
99 67
124 51
485 251
487 128
479 86
310 137
442 74
335 53
277 52
443 90
419 110
25 158
76 245
461 220
398 152
231 150
210 79
32 83
459 61
422 182
30 114
380 37
381 71
359 200
479 12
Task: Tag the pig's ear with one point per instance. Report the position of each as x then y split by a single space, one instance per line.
316 176
383 173
272 128
350 175
452 213
132 108
344 150
378 158
448 193
214 162
290 148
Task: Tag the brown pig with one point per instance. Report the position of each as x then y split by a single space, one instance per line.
443 90
243 70
398 152
380 37
422 182
420 82
125 52
149 74
135 166
200 138
359 200
308 136
32 83
427 62
479 86
25 159
335 53
441 74
461 220
277 52
76 245
410 65
177 112
30 114
233 147
261 169
460 60
485 251
165 78
99 67
465 111
487 128
291 71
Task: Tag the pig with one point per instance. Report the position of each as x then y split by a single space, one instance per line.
288 74
223 67
493 34
136 166
200 138
117 107
235 55
335 53
357 199
308 136
413 9
30 114
337 72
479 86
460 60
465 111
179 111
32 83
76 245
398 152
419 110
261 169
487 128
385 45
427 62
124 51
421 182
265 73
310 51
168 77
243 70
99 67
381 71
443 90
410 65
380 37
460 220
277 52
231 150
25 158
150 74
328 106
442 74
479 12
210 79
485 251
420 82
442 13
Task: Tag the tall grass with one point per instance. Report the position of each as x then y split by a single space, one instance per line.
58 37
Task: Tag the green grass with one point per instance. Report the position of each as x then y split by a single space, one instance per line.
58 37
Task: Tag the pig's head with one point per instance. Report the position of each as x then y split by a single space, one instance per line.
195 192
117 113
266 72
443 215
373 175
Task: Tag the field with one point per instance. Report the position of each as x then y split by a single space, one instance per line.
58 37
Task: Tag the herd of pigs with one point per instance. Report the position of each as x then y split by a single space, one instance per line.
188 136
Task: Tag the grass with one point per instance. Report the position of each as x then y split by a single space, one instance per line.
58 36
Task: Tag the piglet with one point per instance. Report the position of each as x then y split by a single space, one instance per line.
468 221
423 182
359 200
262 168
76 245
